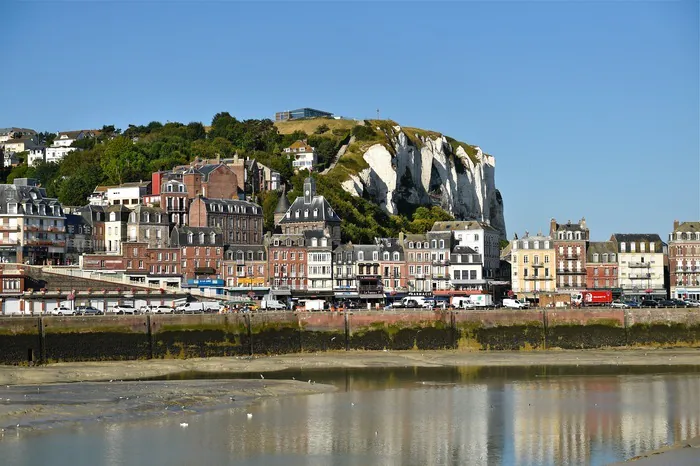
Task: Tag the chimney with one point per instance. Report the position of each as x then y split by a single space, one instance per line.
583 222
552 226
401 237
676 224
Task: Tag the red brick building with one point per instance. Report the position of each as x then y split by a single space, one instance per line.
601 265
215 181
201 250
570 241
684 260
152 265
418 263
286 263
241 222
392 266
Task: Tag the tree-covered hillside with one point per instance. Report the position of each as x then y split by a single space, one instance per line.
117 156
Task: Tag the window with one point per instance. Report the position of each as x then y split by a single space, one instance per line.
306 213
546 259
360 256
623 247
442 244
385 256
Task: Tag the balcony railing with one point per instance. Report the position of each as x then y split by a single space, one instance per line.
8 242
538 278
441 262
45 243
640 264
571 271
9 227
442 276
641 276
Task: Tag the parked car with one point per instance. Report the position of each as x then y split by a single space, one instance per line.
649 303
124 309
666 303
679 303
62 311
88 311
619 304
692 302
631 303
156 309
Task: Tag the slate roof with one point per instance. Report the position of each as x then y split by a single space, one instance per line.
179 236
318 234
89 213
140 210
244 207
638 238
245 248
282 203
460 225
569 226
297 240
323 208
600 247
690 227
463 250
22 195
121 210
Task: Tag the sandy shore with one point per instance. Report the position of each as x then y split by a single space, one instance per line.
125 370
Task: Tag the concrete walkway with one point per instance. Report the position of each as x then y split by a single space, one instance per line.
340 153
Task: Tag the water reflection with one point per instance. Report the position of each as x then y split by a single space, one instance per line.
402 419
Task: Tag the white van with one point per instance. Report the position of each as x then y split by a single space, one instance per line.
198 307
272 304
462 302
514 304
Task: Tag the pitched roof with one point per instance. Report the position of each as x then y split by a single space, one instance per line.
459 225
687 227
282 203
637 237
302 145
180 236
243 206
318 209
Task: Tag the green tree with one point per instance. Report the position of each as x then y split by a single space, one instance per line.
122 161
268 200
322 128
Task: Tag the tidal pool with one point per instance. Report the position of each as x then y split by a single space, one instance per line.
399 416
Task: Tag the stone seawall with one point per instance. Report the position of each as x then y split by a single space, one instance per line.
50 339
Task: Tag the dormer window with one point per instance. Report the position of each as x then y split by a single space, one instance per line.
213 238
324 242
190 238
288 242
623 246
385 255
410 245
419 245
315 213
375 255
112 216
306 213
260 255
360 256
201 238
276 242
434 243
396 256
595 257
425 245
296 214
314 242
442 244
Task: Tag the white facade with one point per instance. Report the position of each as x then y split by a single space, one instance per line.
639 272
124 195
36 156
56 153
319 265
480 237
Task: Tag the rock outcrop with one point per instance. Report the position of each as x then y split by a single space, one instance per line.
413 169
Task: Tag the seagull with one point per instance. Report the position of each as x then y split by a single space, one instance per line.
250 415
184 424
309 380
352 404
332 338
262 376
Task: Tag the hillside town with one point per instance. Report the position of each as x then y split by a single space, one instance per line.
197 227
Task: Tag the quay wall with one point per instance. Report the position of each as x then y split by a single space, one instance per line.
33 340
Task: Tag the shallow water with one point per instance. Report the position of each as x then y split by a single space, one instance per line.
420 416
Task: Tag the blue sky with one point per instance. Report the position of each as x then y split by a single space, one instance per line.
591 108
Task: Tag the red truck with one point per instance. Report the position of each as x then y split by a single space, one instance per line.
592 298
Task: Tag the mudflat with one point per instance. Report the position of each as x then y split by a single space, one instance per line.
141 369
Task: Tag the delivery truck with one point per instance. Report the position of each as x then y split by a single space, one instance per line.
592 298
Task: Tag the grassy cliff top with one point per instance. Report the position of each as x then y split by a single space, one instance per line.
309 125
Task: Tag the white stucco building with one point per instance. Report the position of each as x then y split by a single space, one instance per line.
481 237
640 264
303 155
319 262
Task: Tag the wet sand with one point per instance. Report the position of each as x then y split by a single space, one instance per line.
38 407
130 370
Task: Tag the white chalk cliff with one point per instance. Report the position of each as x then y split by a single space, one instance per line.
424 170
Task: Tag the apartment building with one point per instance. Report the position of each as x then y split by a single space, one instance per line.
240 221
32 225
533 265
640 264
570 241
684 260
601 266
